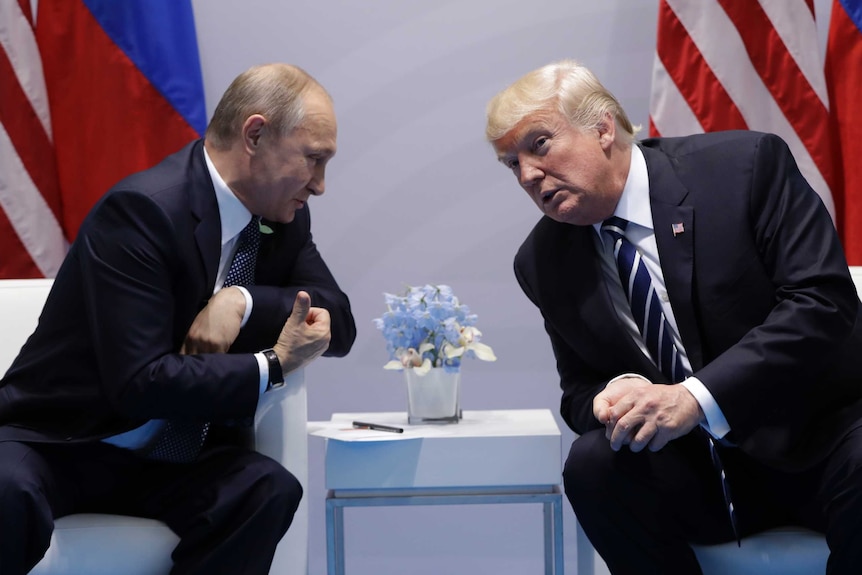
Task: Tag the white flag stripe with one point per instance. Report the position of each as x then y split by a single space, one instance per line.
19 42
671 113
795 25
30 216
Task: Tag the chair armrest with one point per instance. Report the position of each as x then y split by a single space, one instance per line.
280 433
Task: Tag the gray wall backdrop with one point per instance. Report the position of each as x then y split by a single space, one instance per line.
416 196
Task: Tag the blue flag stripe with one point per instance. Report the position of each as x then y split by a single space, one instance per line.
159 37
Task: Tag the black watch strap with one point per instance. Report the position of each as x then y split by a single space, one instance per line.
276 375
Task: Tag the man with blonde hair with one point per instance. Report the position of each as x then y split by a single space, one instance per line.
191 290
704 322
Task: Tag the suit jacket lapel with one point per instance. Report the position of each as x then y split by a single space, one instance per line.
582 272
204 209
675 246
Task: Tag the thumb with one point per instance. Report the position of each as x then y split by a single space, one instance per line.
300 307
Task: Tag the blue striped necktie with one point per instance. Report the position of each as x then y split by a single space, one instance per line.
181 441
644 302
655 329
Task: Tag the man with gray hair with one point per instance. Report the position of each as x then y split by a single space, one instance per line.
191 290
704 322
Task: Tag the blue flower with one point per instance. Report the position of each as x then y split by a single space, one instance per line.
428 327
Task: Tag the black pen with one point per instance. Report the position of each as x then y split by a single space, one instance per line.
377 427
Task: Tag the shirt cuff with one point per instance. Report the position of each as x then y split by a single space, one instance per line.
716 423
263 366
248 304
624 375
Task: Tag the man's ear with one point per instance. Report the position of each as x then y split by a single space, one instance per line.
607 130
252 131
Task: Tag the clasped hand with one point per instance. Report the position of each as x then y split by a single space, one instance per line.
217 325
640 414
304 337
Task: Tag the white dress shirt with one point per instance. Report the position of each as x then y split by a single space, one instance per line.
634 207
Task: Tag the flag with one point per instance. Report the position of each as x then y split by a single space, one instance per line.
125 90
749 65
32 243
844 81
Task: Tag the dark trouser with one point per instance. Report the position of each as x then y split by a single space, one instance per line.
230 508
640 510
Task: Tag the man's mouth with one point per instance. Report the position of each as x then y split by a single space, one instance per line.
546 196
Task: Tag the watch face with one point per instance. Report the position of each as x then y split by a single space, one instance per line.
276 375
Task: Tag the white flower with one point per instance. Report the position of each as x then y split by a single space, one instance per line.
410 358
468 341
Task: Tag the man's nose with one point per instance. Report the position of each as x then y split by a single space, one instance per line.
317 185
529 173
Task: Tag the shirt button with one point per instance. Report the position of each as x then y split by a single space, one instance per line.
664 297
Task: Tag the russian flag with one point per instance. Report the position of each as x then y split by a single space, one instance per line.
844 81
124 85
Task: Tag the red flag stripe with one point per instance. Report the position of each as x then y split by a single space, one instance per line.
666 97
785 81
693 77
15 260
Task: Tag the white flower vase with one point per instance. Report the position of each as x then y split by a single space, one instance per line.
434 397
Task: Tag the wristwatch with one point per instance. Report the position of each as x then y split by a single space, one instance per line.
276 375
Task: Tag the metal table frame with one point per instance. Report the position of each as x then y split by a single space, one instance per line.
549 496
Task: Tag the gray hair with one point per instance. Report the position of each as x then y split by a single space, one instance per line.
275 91
569 86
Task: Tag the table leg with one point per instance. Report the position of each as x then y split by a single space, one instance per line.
548 512
559 569
334 538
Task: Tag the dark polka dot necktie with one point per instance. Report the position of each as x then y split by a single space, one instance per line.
181 441
655 330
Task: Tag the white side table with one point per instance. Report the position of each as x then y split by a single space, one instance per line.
508 456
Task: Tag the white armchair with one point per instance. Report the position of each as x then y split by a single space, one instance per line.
98 544
781 551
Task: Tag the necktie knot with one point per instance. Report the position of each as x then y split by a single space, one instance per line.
615 226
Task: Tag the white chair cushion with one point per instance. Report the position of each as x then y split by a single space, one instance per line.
96 544
780 551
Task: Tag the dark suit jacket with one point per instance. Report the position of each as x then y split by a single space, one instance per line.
759 285
104 358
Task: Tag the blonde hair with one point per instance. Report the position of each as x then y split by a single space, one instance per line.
275 91
568 85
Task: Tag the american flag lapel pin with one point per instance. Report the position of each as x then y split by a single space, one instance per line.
677 229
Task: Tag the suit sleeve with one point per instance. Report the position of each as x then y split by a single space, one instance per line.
285 275
812 305
579 382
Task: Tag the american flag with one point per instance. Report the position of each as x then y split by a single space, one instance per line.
730 64
32 243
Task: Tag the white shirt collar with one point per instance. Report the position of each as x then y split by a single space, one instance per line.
234 216
634 205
